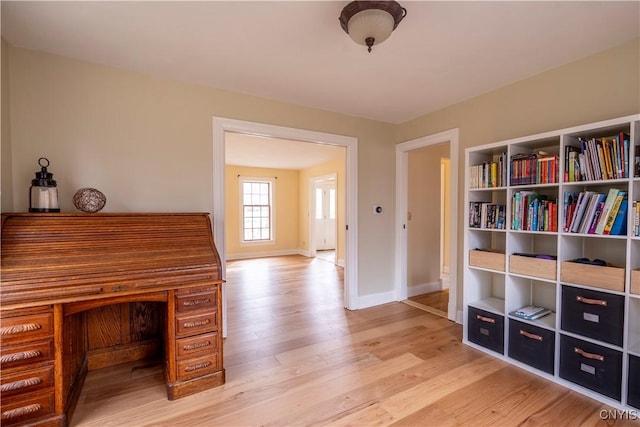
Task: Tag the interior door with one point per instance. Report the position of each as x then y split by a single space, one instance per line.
325 215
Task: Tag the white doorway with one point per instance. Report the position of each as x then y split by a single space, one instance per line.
323 228
403 215
223 125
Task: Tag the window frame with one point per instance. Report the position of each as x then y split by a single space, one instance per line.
272 211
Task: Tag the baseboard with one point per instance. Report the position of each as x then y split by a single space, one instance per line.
263 254
459 317
366 301
423 288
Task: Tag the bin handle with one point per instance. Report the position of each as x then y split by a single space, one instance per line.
530 335
583 353
485 319
591 301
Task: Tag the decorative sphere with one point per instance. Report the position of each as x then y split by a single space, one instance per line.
89 200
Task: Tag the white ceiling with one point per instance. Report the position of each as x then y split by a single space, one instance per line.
249 150
443 52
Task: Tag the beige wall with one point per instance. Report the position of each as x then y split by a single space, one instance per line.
423 232
600 87
336 166
146 142
446 206
286 199
5 154
291 200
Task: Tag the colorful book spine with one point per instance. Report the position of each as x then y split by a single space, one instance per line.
614 212
608 204
619 227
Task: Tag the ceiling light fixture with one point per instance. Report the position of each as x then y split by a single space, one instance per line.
371 22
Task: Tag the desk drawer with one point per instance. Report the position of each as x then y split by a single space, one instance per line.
26 328
197 324
25 381
26 354
205 343
22 409
196 301
192 368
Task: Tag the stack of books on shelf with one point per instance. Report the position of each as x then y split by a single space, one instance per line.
490 174
533 212
530 312
487 215
590 212
598 159
534 168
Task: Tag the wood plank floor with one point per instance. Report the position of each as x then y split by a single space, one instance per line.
294 356
438 300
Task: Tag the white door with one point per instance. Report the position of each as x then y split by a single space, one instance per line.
325 215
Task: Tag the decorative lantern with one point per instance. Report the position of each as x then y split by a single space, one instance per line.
43 193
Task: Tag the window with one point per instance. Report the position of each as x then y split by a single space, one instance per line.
257 211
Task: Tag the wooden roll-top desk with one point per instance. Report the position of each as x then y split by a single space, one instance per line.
86 291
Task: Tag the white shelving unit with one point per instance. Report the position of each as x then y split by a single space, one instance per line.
497 283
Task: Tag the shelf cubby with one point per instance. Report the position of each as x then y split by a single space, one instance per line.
489 292
522 292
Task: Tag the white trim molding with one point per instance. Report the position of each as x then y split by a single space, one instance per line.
222 125
402 160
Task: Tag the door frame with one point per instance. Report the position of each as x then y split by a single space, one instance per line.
313 181
402 194
222 125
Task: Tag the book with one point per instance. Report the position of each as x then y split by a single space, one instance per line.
611 198
636 218
619 227
596 217
571 161
538 315
587 218
613 212
569 204
530 312
583 200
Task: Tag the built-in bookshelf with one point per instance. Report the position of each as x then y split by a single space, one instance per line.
552 256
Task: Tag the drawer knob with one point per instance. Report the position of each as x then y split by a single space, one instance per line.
530 335
485 319
23 410
23 355
17 385
586 355
591 301
193 302
196 346
197 366
18 329
196 324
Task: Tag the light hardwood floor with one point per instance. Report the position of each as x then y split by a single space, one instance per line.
294 356
437 300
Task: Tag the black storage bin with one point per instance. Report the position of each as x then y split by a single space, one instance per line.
486 329
593 314
592 366
633 389
532 345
